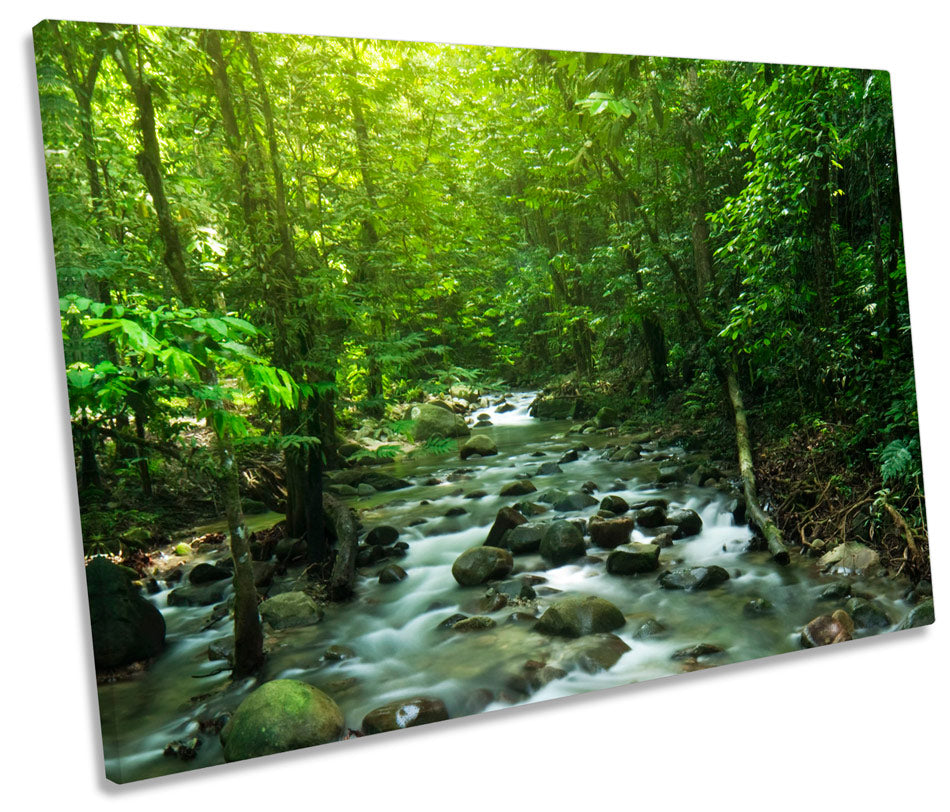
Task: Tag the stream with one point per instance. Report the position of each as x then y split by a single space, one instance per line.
392 628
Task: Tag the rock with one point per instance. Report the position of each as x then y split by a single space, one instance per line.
835 592
204 595
392 574
662 540
455 511
420 710
867 615
687 522
610 533
589 488
694 578
480 444
562 542
290 609
183 550
288 550
548 468
669 474
363 476
338 653
524 539
505 520
481 564
615 504
365 489
650 516
633 558
593 654
450 621
921 615
505 407
476 494
125 626
343 490
569 502
207 573
520 487
381 536
850 558
433 420
756 607
477 623
281 715
827 629
483 418
649 629
575 617
568 456
607 417
697 651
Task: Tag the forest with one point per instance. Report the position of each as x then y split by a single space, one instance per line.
323 303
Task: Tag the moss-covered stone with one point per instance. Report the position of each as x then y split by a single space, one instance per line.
281 715
921 615
481 564
562 542
633 558
575 617
290 609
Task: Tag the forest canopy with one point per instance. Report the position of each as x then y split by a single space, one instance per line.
281 237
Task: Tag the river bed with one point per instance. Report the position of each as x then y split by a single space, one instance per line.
392 628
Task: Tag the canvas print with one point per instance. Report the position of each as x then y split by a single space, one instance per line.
410 381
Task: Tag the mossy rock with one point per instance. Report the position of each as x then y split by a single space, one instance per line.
575 617
281 715
480 564
290 609
921 615
183 550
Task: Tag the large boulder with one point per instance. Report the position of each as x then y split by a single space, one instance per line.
562 542
480 564
280 715
694 578
433 420
606 417
569 502
633 558
610 532
480 444
551 407
125 626
686 521
290 609
575 617
204 573
850 558
420 710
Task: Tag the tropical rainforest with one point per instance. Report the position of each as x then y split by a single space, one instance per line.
323 300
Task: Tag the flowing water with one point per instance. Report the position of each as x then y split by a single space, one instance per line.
391 629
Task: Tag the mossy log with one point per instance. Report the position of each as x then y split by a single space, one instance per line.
757 516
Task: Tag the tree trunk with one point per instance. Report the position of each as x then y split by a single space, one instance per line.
248 637
343 576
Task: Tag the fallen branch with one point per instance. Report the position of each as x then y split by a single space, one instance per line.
757 516
902 525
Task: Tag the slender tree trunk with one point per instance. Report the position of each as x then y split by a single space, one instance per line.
248 637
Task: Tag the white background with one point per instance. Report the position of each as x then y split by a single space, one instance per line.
861 725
